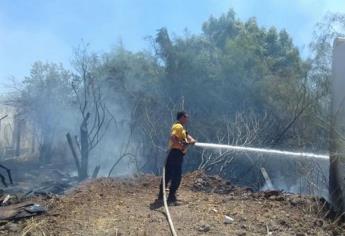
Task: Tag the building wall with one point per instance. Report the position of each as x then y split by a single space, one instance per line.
337 134
16 135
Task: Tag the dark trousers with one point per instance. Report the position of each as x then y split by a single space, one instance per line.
173 172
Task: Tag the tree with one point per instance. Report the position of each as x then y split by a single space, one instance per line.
92 108
43 101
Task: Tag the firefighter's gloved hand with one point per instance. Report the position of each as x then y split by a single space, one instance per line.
184 143
192 142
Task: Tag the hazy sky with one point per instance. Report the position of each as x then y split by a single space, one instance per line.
47 30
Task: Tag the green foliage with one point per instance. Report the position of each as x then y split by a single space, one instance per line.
44 102
235 66
46 90
232 67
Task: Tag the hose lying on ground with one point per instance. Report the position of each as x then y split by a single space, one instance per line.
171 225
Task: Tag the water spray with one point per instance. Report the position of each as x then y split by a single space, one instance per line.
261 150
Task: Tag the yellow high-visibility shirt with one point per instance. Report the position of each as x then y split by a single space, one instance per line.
178 131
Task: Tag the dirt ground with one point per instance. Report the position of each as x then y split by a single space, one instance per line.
108 206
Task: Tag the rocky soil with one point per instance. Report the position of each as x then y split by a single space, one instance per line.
109 206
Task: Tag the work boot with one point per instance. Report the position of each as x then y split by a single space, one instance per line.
172 199
160 197
156 204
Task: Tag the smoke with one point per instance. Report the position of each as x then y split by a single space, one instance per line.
305 177
302 185
117 141
294 172
52 107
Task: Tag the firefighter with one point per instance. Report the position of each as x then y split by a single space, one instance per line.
178 144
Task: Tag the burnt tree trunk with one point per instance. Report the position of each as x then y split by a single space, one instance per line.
45 152
33 142
17 131
84 148
74 153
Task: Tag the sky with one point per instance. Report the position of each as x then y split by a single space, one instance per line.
48 30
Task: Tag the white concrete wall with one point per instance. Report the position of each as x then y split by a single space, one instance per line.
6 125
8 130
337 142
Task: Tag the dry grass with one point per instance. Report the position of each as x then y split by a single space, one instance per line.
109 207
34 227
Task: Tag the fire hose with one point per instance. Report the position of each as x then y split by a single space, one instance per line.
234 148
171 225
